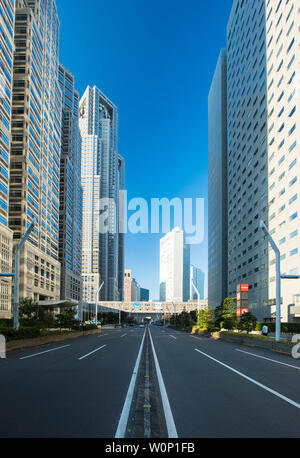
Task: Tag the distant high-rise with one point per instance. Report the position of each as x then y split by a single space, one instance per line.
174 267
144 295
197 277
217 186
70 212
36 146
103 177
128 286
7 20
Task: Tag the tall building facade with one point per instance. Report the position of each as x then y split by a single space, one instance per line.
198 278
70 212
36 146
174 267
283 137
217 183
103 177
263 59
7 23
247 152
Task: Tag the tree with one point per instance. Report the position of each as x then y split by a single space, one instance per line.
229 308
28 309
247 322
205 318
66 319
33 314
218 315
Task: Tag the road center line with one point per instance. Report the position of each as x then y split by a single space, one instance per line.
172 432
121 431
47 351
94 351
284 398
268 359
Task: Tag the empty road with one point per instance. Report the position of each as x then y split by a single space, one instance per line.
149 382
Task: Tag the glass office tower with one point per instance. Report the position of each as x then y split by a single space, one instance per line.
263 60
7 19
217 185
36 147
103 177
70 212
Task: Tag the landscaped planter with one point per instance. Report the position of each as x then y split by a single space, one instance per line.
29 343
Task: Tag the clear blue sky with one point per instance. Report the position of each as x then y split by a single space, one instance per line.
155 60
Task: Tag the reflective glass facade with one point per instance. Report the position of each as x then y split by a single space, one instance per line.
36 146
70 214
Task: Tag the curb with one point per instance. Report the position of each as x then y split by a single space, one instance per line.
40 341
278 347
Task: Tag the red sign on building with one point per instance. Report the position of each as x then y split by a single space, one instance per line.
244 288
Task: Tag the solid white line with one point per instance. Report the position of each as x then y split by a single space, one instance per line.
42 352
269 359
284 398
173 336
121 431
94 351
172 432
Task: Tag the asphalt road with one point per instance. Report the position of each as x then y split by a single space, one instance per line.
202 388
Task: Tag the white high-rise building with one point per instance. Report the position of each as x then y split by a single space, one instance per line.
283 123
174 267
263 104
102 175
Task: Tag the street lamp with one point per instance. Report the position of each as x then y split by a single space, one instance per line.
198 294
278 279
16 274
96 300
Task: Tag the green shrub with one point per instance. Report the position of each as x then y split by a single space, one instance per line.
288 328
213 329
247 322
6 323
23 333
230 323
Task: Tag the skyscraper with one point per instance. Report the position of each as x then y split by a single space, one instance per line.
174 267
263 59
198 278
247 152
36 146
70 212
7 20
217 183
103 177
